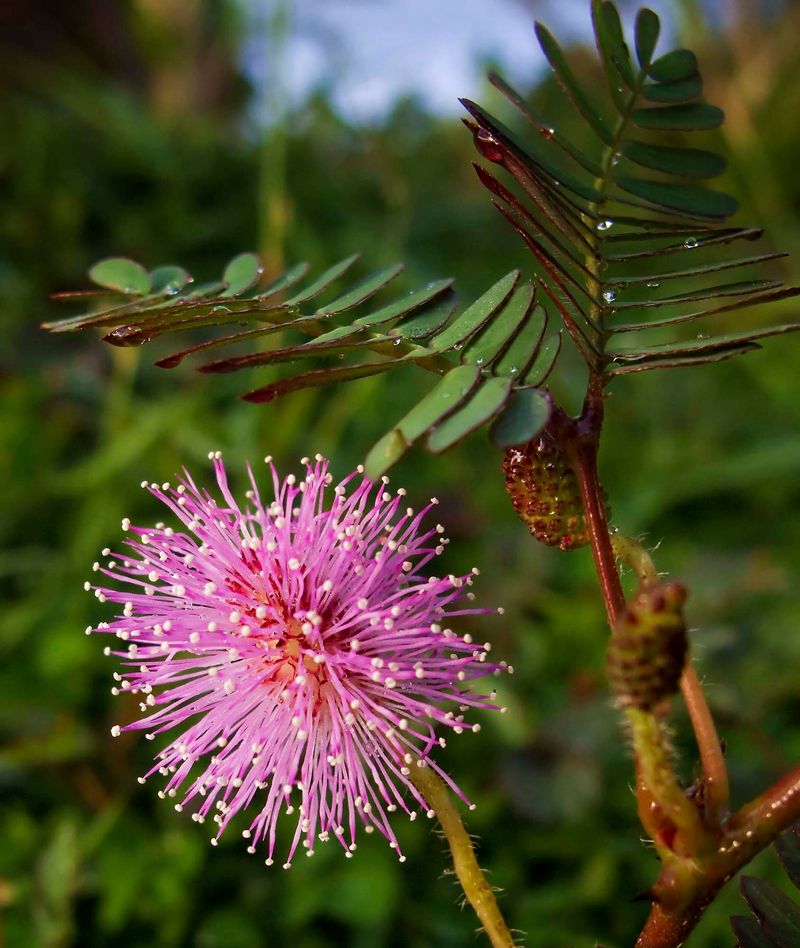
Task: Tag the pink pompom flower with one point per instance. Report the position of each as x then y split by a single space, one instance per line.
297 650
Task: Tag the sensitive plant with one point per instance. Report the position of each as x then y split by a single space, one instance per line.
629 243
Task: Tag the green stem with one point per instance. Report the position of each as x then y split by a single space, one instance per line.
477 890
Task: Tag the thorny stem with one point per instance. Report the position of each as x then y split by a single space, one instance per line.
470 875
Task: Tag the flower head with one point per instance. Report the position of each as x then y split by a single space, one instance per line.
299 652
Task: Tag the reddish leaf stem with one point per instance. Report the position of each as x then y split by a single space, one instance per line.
716 795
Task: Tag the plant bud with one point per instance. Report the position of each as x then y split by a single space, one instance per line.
647 650
543 488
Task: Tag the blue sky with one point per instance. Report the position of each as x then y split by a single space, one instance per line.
373 51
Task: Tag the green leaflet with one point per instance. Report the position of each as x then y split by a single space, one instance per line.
323 281
687 118
484 349
121 274
406 304
749 934
689 88
647 30
611 44
482 406
362 291
525 414
777 914
446 397
439 402
571 86
788 848
241 274
673 67
169 280
690 199
477 314
687 162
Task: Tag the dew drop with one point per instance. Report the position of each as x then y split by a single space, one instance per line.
479 361
397 341
513 370
604 225
615 158
489 146
172 289
609 296
690 243
653 283
458 346
547 132
702 335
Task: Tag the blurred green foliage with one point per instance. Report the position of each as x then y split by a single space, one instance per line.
99 157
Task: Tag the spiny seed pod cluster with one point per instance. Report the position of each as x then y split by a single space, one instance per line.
647 650
543 488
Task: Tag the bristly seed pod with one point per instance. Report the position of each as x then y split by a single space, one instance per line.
647 650
543 488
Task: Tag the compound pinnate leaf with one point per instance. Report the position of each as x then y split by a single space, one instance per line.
121 274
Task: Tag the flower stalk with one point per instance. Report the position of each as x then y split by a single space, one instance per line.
473 881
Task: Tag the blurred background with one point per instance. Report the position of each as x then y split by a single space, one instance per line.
188 130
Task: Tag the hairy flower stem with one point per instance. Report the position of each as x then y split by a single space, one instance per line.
470 875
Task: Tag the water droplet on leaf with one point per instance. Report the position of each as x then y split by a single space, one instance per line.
690 243
489 146
609 296
653 283
604 225
615 158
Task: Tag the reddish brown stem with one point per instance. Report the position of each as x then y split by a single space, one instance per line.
753 828
715 773
595 509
